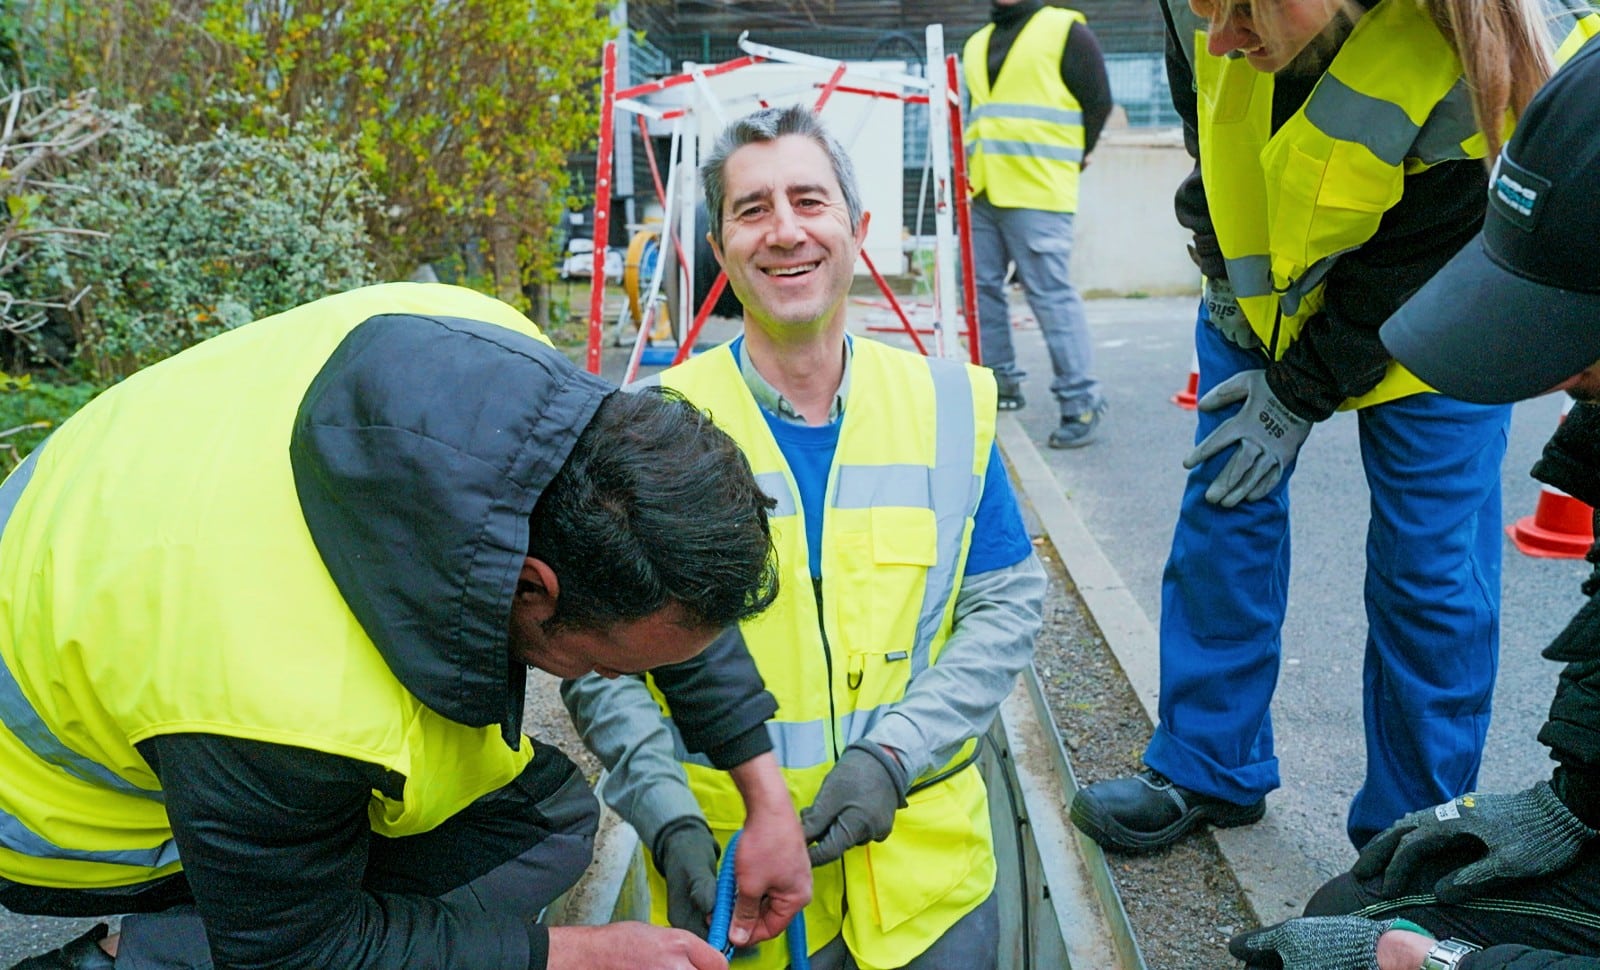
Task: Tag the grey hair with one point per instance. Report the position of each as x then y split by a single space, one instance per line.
770 124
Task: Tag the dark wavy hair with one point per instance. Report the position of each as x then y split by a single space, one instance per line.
655 505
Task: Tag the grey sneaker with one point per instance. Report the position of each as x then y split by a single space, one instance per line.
1079 429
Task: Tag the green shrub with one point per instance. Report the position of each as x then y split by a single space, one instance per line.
30 409
203 237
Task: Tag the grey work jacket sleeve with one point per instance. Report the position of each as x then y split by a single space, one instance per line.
620 722
997 615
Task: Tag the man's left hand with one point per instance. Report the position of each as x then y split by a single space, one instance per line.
856 803
1328 943
1266 434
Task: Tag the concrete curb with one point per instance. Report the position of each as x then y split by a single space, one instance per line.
1276 876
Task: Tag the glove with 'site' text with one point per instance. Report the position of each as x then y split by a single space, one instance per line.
1525 834
856 803
1222 309
1267 436
686 854
1312 943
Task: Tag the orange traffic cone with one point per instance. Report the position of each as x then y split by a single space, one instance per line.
1561 527
1188 398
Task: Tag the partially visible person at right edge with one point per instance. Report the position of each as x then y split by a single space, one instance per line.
1343 153
1515 314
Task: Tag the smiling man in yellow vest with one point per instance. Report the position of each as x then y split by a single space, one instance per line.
910 592
266 612
1039 93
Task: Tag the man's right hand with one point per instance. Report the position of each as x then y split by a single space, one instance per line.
1224 312
630 946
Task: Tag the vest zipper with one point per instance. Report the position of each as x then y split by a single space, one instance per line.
827 659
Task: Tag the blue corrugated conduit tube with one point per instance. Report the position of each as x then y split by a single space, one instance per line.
722 915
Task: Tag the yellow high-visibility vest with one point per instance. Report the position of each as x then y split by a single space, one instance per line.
1285 204
143 572
907 475
1024 137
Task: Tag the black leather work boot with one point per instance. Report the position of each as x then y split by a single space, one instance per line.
84 953
1148 812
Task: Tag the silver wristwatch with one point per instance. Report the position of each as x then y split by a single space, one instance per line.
1446 954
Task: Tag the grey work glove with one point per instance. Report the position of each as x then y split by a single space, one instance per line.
1528 833
856 803
686 855
1312 943
1267 433
1224 312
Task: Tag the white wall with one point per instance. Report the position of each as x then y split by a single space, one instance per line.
1127 240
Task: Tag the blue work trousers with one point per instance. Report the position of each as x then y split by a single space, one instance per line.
1040 243
1432 600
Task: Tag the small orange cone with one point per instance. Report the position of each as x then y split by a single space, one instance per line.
1561 527
1188 398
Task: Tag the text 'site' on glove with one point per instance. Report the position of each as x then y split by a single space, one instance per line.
1524 834
1265 435
686 855
856 803
1312 943
1222 309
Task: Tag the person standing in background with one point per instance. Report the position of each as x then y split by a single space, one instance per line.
1040 98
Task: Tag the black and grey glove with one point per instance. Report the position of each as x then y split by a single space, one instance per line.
1224 312
856 803
686 854
1528 833
83 953
1312 943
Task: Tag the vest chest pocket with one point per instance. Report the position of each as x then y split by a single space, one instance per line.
885 559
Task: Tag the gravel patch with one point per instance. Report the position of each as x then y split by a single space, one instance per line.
1184 903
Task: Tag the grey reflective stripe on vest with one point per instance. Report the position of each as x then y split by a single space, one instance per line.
18 838
776 487
1250 275
1449 124
955 496
25 724
1343 113
863 486
855 725
1027 112
1028 149
796 744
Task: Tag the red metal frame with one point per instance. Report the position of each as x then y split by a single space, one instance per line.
602 204
961 191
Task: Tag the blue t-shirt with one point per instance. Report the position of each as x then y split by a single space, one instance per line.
998 538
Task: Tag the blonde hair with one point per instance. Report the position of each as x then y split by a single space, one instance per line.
1506 55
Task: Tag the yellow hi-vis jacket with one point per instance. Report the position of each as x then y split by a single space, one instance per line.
906 478
1024 137
158 576
1284 205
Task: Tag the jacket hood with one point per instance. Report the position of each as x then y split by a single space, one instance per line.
418 453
